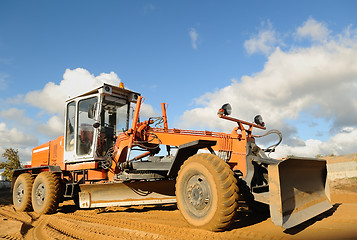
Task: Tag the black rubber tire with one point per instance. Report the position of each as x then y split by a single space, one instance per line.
46 193
21 193
206 192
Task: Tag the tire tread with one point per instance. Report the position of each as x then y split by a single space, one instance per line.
27 179
227 190
52 193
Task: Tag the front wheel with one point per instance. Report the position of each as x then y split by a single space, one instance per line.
21 194
46 193
206 192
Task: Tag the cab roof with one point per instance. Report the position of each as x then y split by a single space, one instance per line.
109 90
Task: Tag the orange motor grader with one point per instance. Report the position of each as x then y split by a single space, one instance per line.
107 157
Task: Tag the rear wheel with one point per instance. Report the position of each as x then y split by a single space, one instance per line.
21 194
46 193
206 192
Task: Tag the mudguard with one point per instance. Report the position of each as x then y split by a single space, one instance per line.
298 190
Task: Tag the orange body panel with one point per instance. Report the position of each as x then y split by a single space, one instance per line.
97 174
40 155
56 152
231 145
91 175
50 153
81 166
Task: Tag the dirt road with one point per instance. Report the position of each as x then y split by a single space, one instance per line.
165 222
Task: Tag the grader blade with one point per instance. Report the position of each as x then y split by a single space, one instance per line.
127 194
298 190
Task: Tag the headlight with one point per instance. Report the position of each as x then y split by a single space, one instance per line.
259 120
227 109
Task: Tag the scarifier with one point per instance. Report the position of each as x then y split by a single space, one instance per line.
107 157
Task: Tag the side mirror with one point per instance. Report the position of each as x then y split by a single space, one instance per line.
259 120
92 108
226 109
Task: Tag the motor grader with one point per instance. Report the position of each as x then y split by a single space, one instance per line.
108 157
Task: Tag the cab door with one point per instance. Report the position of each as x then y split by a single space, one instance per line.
86 133
80 135
70 132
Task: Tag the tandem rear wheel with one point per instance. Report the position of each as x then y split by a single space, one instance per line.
42 194
206 192
21 194
46 193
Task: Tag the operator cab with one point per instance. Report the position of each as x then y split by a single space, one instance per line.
94 119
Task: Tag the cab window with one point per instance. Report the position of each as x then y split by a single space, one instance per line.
85 134
71 111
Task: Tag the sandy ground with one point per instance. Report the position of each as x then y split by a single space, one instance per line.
339 159
165 222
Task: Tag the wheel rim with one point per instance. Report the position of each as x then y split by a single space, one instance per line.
19 193
198 194
40 194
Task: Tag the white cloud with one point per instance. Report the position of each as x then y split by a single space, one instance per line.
313 29
264 42
53 128
194 37
14 138
52 97
19 99
321 80
342 143
17 115
147 111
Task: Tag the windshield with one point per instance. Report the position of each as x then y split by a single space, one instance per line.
113 120
115 114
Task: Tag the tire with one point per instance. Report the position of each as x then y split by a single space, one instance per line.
206 192
21 194
46 193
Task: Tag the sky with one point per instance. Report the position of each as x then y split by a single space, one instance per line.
293 62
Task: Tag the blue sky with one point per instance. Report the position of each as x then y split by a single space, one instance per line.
291 61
